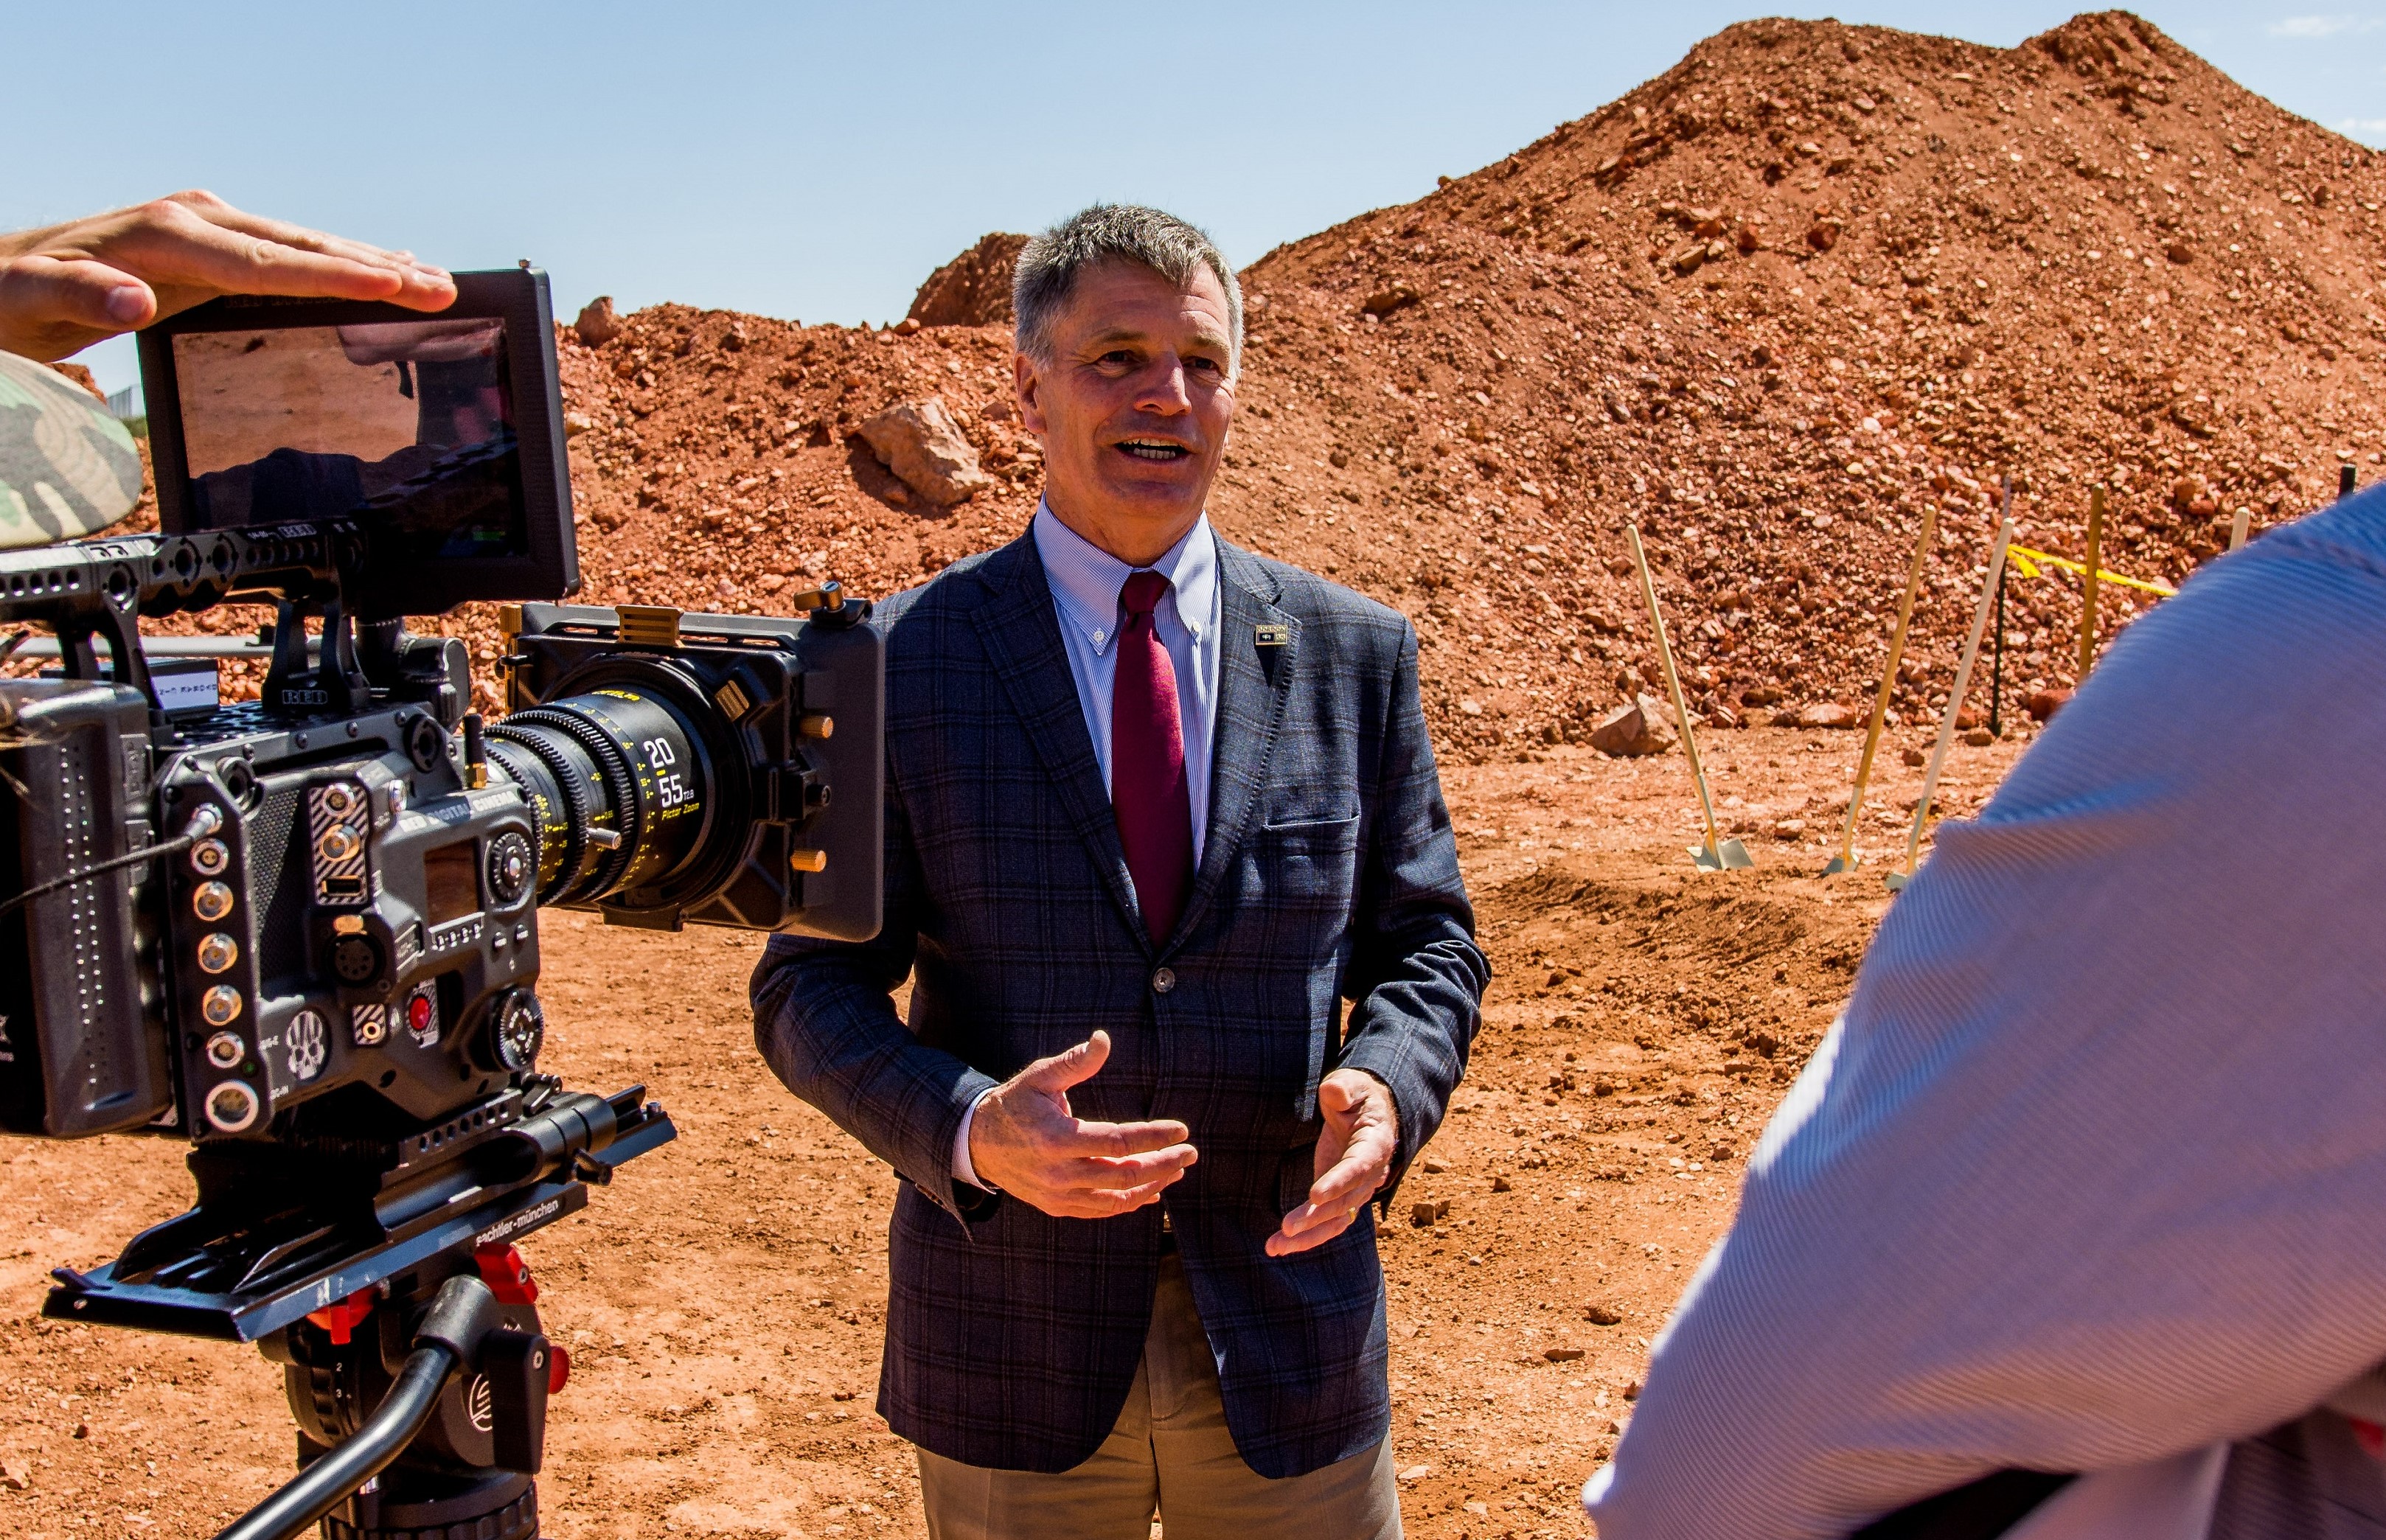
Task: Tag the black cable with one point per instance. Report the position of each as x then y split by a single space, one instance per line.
146 853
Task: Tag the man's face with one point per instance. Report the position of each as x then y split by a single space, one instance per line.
1134 406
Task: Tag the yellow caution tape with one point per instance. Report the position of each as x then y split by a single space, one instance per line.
2030 561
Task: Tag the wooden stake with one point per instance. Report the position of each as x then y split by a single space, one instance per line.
1846 859
2236 527
1681 707
2088 584
1955 694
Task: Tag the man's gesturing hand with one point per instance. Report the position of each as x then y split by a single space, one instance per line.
1354 1158
1025 1141
67 287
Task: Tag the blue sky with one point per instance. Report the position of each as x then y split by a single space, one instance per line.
817 161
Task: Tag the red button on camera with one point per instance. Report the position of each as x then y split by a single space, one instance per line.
418 1013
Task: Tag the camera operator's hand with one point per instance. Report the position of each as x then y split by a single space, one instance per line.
1024 1141
1354 1159
71 285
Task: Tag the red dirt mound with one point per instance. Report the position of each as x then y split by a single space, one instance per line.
1769 305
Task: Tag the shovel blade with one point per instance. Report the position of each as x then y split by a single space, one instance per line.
1895 881
1735 857
1839 864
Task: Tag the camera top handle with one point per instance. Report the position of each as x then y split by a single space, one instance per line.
96 588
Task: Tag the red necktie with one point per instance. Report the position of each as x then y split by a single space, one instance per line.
1147 788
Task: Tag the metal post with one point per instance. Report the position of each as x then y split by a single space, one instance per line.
1997 672
2088 584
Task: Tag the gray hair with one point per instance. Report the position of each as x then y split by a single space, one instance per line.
1049 265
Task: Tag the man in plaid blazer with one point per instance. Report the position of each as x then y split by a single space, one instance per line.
1157 808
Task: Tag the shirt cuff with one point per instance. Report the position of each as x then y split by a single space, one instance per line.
963 1170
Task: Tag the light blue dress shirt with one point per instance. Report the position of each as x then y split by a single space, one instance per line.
1086 580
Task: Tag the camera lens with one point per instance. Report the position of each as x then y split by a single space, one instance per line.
620 785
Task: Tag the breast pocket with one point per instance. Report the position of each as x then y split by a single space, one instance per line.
1313 859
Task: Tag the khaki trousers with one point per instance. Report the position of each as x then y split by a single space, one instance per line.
1170 1453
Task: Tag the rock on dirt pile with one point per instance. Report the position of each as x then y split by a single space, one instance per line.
974 289
1768 305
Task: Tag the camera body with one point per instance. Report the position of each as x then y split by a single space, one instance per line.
302 932
357 903
347 912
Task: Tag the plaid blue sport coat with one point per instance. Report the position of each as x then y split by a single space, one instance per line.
1329 874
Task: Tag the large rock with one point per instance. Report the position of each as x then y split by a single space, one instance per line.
1827 714
922 444
597 324
1643 727
974 289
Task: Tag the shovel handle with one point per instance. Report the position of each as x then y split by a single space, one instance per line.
1887 681
1674 684
1963 681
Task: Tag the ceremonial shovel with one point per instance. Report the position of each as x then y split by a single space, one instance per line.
1898 879
1717 854
1846 859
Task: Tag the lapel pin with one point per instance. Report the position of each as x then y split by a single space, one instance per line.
1274 636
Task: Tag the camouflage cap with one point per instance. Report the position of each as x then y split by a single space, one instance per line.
67 467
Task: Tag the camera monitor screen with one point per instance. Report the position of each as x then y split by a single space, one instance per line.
440 435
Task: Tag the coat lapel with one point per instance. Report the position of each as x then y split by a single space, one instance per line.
1252 694
1022 634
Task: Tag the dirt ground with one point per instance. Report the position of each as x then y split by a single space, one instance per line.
724 1300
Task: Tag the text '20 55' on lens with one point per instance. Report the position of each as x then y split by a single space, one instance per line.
616 780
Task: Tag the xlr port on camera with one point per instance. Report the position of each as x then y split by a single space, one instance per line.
356 958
